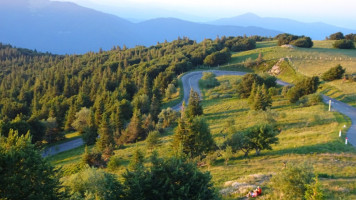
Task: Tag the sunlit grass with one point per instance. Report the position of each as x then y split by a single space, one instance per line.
313 61
308 134
341 90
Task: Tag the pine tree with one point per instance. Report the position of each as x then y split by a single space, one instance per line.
181 134
155 108
251 98
134 130
106 139
194 108
66 89
147 86
137 160
267 100
117 121
203 141
262 100
70 117
193 136
152 139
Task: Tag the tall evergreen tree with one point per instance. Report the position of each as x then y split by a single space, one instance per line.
194 108
147 86
261 99
70 117
134 130
117 121
155 108
193 136
106 141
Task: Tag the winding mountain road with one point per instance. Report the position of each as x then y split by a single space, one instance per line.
191 80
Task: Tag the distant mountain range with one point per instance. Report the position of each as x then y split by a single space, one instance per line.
62 27
317 30
65 28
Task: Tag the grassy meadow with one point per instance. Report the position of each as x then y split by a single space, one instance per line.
306 62
308 134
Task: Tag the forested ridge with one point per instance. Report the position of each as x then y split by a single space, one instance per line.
42 93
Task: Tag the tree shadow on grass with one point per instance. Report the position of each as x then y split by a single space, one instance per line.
219 115
350 98
329 147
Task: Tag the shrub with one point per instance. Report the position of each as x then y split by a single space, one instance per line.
258 137
93 183
292 182
218 58
114 162
167 117
171 89
245 86
93 159
304 42
314 99
249 63
273 91
351 36
310 100
294 94
303 87
299 41
285 90
240 44
285 38
82 120
333 73
336 36
209 80
344 44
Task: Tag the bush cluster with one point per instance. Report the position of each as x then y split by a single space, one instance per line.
336 36
218 58
209 80
351 36
302 88
245 86
344 44
333 73
299 41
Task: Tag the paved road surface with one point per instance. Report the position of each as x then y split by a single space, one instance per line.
63 147
348 111
190 80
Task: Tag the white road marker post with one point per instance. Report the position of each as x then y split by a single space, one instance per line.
346 140
329 105
340 133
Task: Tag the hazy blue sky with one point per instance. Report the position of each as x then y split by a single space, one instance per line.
336 12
